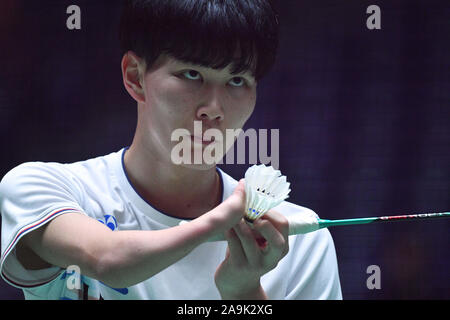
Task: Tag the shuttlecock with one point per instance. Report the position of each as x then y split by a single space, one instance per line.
265 188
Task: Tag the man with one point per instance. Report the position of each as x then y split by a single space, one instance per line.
184 61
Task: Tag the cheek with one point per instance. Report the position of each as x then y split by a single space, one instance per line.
169 100
245 110
177 100
252 103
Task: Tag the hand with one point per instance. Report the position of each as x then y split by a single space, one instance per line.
228 213
252 253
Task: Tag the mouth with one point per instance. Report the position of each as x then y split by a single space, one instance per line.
202 140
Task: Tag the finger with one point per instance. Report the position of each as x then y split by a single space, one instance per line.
229 212
262 243
260 240
248 243
236 253
278 220
240 186
239 190
281 223
235 203
277 243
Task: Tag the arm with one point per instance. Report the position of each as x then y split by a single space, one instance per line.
125 258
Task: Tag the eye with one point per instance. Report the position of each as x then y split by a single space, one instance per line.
192 75
237 82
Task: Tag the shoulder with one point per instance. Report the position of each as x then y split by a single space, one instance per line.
31 173
30 176
45 174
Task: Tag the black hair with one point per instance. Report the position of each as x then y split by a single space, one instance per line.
211 33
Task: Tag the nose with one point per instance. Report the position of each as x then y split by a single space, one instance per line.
211 106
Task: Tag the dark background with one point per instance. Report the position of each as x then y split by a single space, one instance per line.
363 118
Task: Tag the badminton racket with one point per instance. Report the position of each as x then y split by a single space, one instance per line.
305 223
299 224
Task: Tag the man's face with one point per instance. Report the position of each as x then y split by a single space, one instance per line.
178 93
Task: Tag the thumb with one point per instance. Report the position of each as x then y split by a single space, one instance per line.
238 195
240 189
230 211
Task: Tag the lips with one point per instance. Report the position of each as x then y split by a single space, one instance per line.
202 140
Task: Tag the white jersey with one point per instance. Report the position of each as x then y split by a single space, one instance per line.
34 193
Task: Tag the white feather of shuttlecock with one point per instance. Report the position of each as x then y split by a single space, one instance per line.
265 188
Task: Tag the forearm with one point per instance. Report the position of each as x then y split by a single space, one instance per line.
134 256
124 258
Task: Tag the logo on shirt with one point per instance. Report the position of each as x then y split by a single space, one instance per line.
80 287
110 221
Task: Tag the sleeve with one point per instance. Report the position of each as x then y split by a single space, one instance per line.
31 195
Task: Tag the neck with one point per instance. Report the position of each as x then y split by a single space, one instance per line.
172 189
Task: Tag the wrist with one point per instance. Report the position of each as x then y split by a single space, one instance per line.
219 219
251 293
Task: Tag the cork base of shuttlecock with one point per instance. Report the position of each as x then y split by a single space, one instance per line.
249 220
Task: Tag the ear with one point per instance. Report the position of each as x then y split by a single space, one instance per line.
133 71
